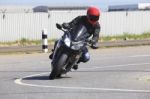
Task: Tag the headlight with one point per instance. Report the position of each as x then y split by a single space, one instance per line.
77 46
67 41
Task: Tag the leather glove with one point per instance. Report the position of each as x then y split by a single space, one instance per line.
65 25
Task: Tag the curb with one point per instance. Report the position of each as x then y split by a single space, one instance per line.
125 43
30 49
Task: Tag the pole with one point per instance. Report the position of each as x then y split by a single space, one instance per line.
44 41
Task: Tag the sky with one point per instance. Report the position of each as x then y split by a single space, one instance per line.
102 4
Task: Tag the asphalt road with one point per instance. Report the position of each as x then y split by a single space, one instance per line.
112 73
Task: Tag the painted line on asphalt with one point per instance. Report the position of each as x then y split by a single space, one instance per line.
19 81
140 56
114 66
120 56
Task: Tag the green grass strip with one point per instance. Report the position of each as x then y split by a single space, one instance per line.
125 36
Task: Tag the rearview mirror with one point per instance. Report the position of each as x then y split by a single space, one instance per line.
58 26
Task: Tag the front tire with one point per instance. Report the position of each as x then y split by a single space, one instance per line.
57 66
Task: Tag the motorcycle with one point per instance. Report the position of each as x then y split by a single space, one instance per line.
68 50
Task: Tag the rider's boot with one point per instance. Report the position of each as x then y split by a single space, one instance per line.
75 67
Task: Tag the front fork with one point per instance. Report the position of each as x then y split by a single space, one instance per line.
73 59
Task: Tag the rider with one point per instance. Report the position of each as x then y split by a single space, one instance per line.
90 21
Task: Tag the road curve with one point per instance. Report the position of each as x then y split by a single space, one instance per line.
112 73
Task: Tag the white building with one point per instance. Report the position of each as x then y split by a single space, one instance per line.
129 7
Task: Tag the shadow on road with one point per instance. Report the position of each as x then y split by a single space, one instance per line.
43 78
37 78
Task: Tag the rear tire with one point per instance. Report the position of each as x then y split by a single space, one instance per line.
57 66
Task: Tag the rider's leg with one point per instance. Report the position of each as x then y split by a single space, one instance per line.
85 57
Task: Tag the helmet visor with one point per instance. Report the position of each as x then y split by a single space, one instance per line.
93 18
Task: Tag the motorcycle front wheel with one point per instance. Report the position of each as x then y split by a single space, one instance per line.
57 66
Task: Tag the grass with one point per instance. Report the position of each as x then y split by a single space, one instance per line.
21 42
25 42
125 36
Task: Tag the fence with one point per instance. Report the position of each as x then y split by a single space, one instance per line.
14 26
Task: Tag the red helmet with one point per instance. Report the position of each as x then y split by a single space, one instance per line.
93 14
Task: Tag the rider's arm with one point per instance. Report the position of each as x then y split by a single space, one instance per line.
95 37
72 23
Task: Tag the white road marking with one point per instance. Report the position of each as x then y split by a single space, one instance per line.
140 56
114 66
19 81
114 57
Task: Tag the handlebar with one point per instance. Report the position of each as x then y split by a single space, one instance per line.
60 27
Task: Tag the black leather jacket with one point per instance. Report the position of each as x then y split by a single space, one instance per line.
92 30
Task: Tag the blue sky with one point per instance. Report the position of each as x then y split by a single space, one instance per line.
100 3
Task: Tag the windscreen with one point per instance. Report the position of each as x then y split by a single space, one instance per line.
79 33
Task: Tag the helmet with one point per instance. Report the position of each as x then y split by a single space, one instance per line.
93 14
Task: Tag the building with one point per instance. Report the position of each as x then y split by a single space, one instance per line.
130 7
31 9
